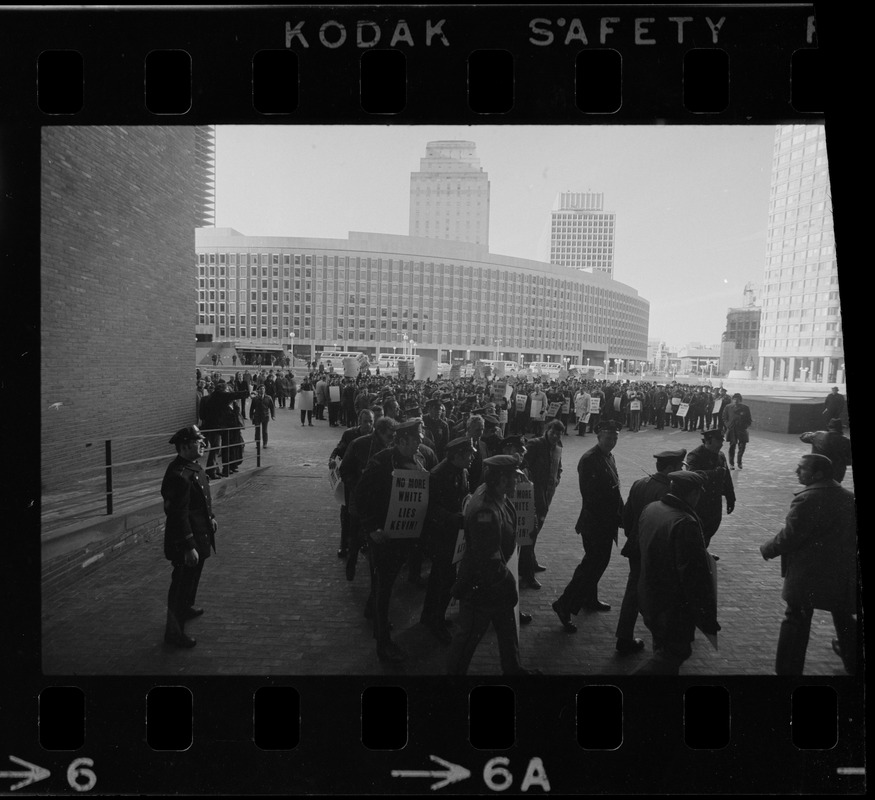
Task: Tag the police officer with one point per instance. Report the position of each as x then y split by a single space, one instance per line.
737 419
190 531
598 524
448 489
643 492
708 460
485 587
676 591
387 555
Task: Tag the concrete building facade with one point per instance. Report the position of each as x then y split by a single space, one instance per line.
582 233
739 347
449 196
367 292
801 326
119 209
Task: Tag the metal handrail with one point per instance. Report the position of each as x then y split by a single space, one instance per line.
109 465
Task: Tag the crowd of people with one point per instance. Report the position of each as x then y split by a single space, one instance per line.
479 439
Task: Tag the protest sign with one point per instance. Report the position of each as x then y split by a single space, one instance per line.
566 407
521 401
408 504
524 503
334 394
537 407
404 370
425 368
635 405
718 404
594 403
304 401
336 484
682 409
552 410
351 367
460 546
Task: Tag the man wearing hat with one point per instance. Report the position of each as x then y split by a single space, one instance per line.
436 429
644 491
598 525
485 587
676 590
737 419
492 434
708 459
474 428
448 489
190 531
833 444
387 555
818 550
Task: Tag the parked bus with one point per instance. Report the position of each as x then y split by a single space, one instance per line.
510 367
544 367
335 358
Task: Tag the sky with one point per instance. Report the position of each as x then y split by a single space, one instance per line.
691 202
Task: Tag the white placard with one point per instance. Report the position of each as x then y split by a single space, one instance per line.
536 409
408 504
682 409
594 404
521 401
524 503
334 394
425 368
304 401
635 405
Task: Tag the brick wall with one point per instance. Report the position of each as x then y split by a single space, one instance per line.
119 208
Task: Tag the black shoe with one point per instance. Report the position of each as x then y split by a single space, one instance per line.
739 464
597 605
732 466
179 640
531 583
564 616
391 652
439 631
342 553
627 646
540 568
191 613
525 619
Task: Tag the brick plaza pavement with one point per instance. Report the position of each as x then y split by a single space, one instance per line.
278 603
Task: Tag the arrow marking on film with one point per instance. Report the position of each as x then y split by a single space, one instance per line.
452 774
32 775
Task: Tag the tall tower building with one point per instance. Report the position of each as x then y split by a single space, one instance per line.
582 233
449 196
801 324
205 158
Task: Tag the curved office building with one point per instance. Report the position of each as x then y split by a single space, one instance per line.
368 292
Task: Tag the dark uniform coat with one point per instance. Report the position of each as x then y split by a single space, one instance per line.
818 549
490 536
676 592
439 432
601 503
539 463
717 486
355 459
189 510
447 490
643 492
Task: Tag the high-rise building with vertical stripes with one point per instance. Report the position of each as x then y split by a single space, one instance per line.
801 323
582 233
449 196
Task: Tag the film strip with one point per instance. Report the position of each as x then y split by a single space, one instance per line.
385 733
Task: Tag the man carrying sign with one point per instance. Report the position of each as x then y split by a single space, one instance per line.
448 488
387 554
486 588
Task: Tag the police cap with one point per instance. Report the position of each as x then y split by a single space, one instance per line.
712 433
191 433
608 425
433 402
512 441
491 419
508 463
459 444
409 427
686 480
671 455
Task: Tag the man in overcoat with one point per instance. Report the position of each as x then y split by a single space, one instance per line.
544 465
598 525
676 590
833 444
708 459
818 550
644 491
190 531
